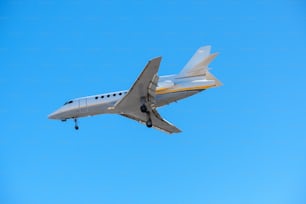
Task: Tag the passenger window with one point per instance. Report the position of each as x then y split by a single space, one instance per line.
96 97
102 96
114 94
120 94
108 96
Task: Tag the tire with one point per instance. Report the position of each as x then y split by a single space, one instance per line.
143 108
149 123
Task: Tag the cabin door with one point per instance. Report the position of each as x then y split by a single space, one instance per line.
83 106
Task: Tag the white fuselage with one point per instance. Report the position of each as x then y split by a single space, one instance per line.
170 88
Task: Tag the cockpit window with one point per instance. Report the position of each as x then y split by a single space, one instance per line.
68 102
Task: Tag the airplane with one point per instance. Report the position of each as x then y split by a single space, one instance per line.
148 92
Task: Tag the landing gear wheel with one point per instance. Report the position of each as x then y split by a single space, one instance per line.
149 123
76 124
143 108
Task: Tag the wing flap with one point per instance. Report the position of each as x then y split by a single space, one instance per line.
162 124
157 121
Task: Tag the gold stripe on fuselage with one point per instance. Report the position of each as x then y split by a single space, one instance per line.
171 90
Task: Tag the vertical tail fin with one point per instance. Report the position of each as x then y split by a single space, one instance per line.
198 64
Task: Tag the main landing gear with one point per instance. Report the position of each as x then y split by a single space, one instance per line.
76 124
144 109
149 123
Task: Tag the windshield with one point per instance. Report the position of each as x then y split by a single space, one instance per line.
68 102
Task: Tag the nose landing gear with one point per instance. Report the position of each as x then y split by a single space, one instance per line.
76 124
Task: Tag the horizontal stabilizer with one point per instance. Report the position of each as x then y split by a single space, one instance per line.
210 76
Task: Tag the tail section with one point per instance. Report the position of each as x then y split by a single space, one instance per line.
209 76
198 64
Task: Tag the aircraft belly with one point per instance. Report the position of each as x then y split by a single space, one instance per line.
164 99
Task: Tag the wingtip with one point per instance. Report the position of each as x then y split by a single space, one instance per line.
156 58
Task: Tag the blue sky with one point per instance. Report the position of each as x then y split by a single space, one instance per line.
242 143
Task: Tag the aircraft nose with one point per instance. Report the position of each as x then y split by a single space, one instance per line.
53 115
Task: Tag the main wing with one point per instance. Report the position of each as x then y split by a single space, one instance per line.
157 121
143 92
